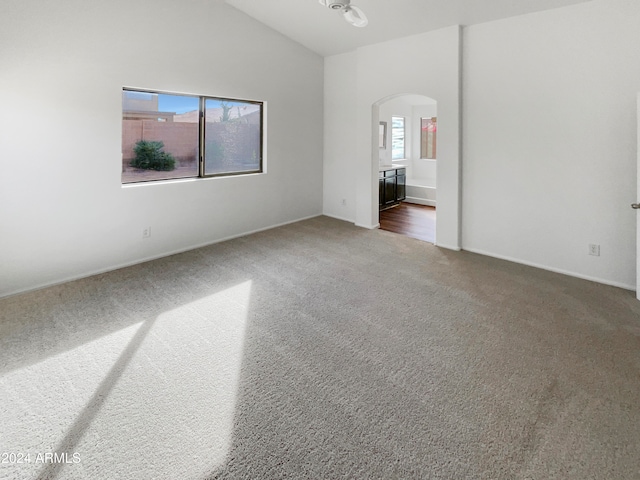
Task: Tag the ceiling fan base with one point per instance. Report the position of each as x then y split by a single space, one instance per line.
335 4
352 14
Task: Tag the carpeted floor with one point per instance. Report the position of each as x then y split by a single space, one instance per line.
320 350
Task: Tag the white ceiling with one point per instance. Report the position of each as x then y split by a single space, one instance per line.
325 31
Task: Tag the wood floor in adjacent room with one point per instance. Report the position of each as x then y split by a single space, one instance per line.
412 220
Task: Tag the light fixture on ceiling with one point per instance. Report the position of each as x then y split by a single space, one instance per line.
352 14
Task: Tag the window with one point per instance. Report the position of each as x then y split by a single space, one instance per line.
168 136
428 130
397 138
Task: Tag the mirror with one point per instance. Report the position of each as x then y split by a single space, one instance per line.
382 135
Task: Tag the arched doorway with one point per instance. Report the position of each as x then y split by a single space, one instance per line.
407 146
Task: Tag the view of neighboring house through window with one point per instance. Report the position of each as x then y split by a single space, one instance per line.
162 132
397 138
428 130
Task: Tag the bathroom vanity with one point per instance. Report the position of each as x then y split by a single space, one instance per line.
392 181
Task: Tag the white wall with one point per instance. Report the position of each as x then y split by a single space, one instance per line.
549 138
425 64
340 86
63 210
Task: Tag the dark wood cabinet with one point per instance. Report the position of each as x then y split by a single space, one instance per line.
392 187
401 182
389 190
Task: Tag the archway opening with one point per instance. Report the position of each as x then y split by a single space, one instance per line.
406 160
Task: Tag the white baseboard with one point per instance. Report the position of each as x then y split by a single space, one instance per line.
337 217
448 247
420 201
553 269
369 227
147 259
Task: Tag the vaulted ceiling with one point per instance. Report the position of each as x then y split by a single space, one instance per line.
325 32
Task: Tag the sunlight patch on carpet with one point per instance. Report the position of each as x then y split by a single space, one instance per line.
153 400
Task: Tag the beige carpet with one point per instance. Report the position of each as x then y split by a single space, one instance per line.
320 350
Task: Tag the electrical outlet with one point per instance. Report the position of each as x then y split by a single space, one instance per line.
594 250
146 232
